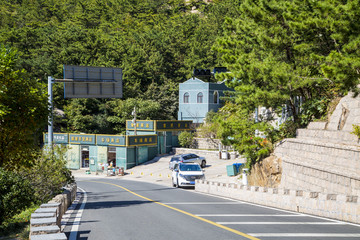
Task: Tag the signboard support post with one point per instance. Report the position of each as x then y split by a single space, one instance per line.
51 122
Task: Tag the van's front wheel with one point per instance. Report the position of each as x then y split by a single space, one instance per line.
203 163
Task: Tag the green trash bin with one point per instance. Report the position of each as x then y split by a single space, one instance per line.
231 170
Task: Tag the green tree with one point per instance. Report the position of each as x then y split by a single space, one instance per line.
280 50
23 112
186 139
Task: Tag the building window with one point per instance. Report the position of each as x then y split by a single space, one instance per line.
199 97
186 97
216 97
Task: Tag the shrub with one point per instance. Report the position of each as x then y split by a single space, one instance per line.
49 174
186 139
16 194
356 130
255 149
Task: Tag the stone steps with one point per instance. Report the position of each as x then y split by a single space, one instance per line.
43 215
53 236
46 210
40 222
45 230
328 136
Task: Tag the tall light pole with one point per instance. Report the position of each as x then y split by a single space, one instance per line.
134 119
51 122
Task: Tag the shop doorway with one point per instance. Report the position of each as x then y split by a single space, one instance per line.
84 156
112 156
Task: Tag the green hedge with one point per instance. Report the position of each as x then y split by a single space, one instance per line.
16 194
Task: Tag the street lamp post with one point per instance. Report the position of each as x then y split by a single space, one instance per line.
51 120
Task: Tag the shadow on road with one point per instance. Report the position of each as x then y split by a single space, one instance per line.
80 237
113 204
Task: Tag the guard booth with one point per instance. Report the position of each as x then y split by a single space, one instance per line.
167 131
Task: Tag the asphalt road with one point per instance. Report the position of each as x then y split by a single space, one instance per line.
125 209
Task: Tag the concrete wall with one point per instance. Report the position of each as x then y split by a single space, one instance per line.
336 206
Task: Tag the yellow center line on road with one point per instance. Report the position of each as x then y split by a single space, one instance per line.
184 212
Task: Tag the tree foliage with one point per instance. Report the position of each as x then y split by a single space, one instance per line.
48 174
279 50
298 54
23 112
15 194
157 43
186 139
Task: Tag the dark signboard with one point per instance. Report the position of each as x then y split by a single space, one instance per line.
111 140
162 125
141 125
141 140
82 139
62 138
92 82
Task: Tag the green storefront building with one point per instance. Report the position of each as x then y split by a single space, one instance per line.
97 151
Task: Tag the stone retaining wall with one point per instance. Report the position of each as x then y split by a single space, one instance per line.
335 206
207 143
319 166
45 222
324 157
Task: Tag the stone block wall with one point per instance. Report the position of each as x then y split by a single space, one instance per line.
207 143
336 206
316 166
324 157
45 223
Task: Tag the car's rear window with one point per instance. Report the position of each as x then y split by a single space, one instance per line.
186 167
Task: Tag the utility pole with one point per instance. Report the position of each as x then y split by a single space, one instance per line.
134 119
51 120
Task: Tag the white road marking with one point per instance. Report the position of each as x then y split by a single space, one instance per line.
66 217
76 223
281 223
250 215
338 235
273 208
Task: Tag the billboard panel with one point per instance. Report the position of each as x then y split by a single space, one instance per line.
92 82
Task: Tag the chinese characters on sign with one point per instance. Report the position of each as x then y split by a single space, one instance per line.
115 140
82 138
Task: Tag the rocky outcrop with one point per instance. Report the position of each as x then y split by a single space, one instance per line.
266 173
